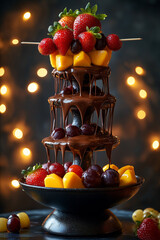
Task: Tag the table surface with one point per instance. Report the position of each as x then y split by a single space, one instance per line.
36 232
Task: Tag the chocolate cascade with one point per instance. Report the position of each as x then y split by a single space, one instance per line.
85 103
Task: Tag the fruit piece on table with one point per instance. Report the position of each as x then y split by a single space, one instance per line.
53 181
113 42
110 178
99 57
52 58
76 169
81 59
137 215
24 220
13 223
112 166
91 178
3 224
123 169
46 46
148 230
72 180
128 177
57 168
76 46
67 18
63 62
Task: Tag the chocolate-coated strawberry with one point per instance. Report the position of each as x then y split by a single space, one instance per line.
67 18
148 230
113 42
46 46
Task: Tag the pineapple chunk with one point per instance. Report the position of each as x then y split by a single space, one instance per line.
63 62
81 59
53 181
128 178
52 58
72 180
123 169
99 57
112 166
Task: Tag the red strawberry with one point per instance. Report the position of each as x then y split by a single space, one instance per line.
88 18
67 18
46 46
148 230
35 175
113 42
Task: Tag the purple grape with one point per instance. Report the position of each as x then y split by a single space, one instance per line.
97 168
76 46
66 91
91 178
58 133
87 129
46 166
110 178
67 165
101 43
72 131
13 223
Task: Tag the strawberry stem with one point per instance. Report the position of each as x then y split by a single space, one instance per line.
52 29
95 31
30 170
92 11
65 13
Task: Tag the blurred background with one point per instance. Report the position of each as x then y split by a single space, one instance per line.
26 83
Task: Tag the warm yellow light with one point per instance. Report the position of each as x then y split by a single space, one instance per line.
130 81
3 89
26 16
26 152
143 93
42 72
155 144
15 183
2 71
139 70
33 87
15 41
17 133
141 114
2 108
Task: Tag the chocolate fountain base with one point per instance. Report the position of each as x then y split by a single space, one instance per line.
83 224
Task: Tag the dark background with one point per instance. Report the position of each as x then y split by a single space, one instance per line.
138 18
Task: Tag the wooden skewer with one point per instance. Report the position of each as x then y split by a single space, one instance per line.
36 43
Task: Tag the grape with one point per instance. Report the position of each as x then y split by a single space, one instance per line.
91 178
152 212
66 91
13 223
72 131
76 169
101 43
57 168
24 220
137 215
76 46
87 129
58 133
67 165
46 166
97 168
110 178
3 224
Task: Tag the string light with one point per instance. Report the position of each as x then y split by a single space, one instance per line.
139 70
17 133
2 71
42 72
15 41
3 89
33 87
15 183
2 108
130 81
26 16
26 152
143 93
141 114
155 144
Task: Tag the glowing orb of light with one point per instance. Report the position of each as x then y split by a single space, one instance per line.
3 89
15 183
17 133
15 41
139 70
2 71
141 114
2 108
143 93
42 72
26 16
26 152
155 144
33 87
130 81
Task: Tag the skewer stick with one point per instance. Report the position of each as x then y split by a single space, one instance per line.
35 43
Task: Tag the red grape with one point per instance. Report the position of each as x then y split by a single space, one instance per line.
57 168
110 178
13 223
91 178
67 165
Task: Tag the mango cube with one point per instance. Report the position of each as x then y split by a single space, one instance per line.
128 178
63 62
52 58
112 166
123 169
69 52
109 52
99 57
81 59
53 181
72 180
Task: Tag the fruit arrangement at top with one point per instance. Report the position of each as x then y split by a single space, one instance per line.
78 40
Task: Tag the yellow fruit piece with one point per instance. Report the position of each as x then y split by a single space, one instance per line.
123 169
69 52
81 59
63 62
128 178
112 166
52 58
24 220
3 224
109 52
53 181
72 180
99 57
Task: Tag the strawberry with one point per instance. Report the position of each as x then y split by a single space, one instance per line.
67 18
62 37
113 42
35 175
148 230
87 17
88 39
46 46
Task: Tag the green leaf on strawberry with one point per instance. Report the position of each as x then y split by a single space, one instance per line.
92 11
95 31
52 29
69 13
31 169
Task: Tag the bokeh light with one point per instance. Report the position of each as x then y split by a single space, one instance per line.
155 144
143 93
3 90
26 152
131 81
26 16
42 72
2 71
15 183
141 114
15 41
2 108
17 133
139 70
33 87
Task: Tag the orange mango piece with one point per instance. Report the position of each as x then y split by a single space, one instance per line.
52 58
72 180
63 62
53 181
81 59
112 166
69 52
109 52
123 169
128 177
99 57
